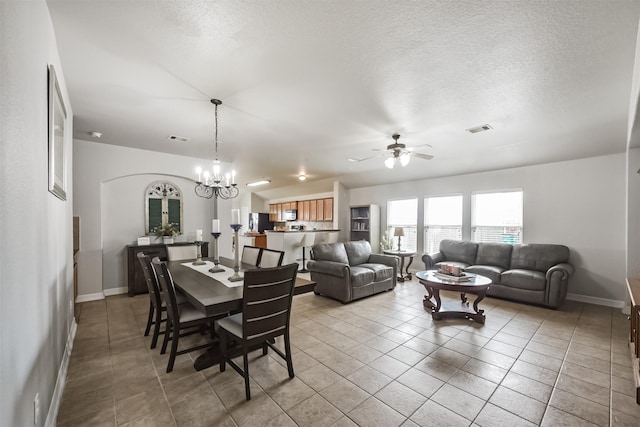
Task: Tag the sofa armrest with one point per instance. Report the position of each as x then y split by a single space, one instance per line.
430 261
331 268
566 269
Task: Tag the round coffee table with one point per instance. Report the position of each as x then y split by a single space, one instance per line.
476 285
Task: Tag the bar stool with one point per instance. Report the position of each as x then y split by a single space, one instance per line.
307 239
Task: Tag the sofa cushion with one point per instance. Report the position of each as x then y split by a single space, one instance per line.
457 250
330 252
361 276
524 279
358 251
539 257
490 271
498 254
381 272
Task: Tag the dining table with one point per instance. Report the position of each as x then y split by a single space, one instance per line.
212 297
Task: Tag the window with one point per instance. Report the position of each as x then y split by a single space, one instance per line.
163 205
403 214
442 220
497 217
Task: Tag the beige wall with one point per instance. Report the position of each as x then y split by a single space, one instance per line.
36 263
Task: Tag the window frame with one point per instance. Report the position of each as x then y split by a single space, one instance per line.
520 227
407 228
425 230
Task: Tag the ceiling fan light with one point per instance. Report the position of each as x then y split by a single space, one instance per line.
389 162
404 159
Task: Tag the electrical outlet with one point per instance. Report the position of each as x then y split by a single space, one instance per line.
36 409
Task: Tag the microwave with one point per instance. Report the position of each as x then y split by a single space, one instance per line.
290 215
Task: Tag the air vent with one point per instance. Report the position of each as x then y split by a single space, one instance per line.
177 138
480 128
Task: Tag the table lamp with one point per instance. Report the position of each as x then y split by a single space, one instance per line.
398 232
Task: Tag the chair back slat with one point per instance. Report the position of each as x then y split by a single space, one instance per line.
168 289
251 255
266 306
271 258
151 280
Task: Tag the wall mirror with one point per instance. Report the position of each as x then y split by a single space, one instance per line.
163 206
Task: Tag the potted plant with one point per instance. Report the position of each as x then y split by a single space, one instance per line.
167 232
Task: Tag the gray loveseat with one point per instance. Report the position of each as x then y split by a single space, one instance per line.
348 271
530 273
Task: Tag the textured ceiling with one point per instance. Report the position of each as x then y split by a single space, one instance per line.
306 85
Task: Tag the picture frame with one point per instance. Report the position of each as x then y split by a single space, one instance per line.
56 130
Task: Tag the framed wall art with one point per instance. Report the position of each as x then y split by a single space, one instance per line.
57 124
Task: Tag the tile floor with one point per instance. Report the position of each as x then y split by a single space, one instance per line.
381 361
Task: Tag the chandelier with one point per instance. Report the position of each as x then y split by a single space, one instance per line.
221 185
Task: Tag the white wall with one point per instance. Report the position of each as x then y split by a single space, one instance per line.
580 204
36 237
109 199
123 220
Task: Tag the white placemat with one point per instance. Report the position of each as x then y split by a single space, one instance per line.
222 277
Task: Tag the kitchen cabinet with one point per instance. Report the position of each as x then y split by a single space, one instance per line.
328 209
313 210
308 210
320 210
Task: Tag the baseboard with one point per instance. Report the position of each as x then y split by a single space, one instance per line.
115 291
90 297
58 391
100 295
595 300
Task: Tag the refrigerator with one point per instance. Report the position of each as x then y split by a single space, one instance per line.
259 222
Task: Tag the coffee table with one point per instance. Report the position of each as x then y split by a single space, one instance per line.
477 285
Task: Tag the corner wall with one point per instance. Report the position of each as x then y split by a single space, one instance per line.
109 185
579 203
36 232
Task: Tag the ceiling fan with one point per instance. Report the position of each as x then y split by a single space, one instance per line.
397 153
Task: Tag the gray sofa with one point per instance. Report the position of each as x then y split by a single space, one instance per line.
530 273
348 271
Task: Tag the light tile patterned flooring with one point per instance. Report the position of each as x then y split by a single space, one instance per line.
380 361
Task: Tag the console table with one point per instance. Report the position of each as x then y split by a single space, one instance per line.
135 278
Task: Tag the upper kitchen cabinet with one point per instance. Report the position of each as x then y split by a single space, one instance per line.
328 209
308 210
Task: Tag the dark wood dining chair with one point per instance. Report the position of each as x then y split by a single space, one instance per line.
251 255
180 317
266 311
156 303
271 258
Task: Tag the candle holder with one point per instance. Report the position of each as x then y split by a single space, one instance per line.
198 260
236 265
216 259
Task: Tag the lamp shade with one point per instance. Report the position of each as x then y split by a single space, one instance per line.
398 232
390 162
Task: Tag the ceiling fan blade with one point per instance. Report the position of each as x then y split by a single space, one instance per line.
358 160
422 156
414 147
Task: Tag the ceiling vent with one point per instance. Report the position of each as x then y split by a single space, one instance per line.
480 128
177 138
